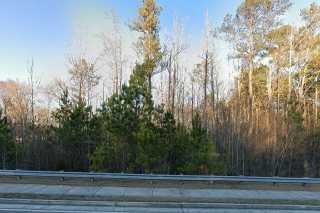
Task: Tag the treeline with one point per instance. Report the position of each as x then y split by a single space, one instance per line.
128 133
272 116
173 119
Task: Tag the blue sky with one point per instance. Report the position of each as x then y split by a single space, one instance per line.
44 29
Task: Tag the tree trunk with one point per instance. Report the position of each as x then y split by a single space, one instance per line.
170 82
205 83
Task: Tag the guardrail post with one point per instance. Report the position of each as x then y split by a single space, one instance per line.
92 179
62 179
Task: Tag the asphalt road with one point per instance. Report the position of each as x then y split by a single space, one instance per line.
19 206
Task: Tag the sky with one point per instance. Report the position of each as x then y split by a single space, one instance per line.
48 31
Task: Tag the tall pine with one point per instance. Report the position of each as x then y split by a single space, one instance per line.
148 45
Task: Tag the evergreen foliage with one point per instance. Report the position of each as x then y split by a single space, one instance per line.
7 146
142 138
75 132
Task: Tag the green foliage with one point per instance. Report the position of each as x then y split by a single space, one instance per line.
73 121
148 24
312 149
7 146
202 157
75 132
145 139
148 44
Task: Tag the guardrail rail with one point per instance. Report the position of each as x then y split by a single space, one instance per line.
19 174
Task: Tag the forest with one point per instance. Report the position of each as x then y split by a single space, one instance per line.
167 118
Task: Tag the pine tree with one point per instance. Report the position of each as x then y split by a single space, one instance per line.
143 138
247 32
149 43
74 133
123 117
7 146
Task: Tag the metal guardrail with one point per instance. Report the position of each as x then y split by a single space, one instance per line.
155 177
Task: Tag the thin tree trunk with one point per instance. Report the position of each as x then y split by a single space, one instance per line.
174 85
170 82
316 108
251 57
205 83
